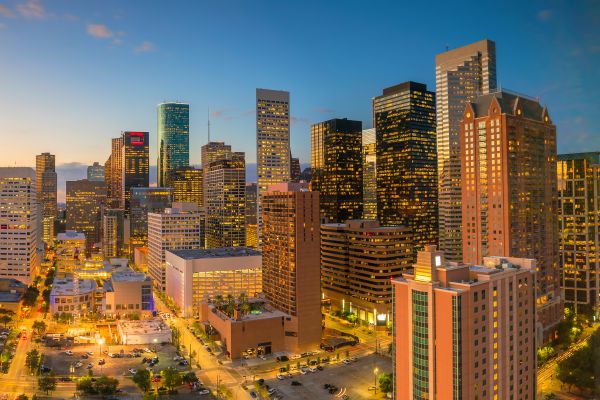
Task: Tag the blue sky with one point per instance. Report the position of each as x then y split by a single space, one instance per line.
76 73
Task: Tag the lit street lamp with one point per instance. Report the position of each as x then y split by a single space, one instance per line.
375 371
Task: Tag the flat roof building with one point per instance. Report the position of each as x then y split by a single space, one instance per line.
70 251
151 331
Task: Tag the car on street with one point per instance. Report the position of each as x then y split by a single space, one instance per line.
253 395
203 392
101 361
78 364
296 383
346 361
90 366
147 350
313 369
271 391
69 352
280 377
132 371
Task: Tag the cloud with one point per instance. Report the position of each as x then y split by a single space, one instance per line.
298 120
2 26
99 31
324 110
145 47
32 9
6 12
544 15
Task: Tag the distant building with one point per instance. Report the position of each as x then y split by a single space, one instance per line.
187 185
294 169
73 296
19 224
579 229
456 332
369 162
150 331
128 293
173 139
113 232
177 228
336 164
509 193
46 186
70 251
291 268
251 216
11 294
358 260
272 142
143 201
135 164
140 259
210 152
196 276
404 120
84 202
95 172
113 173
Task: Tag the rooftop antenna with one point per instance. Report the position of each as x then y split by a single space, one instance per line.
208 118
447 47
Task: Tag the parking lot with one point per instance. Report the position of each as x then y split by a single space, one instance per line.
77 363
353 379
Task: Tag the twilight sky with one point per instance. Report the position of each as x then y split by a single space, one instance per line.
74 74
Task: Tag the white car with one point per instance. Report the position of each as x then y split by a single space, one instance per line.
303 371
203 392
262 357
313 369
295 356
271 391
78 364
132 371
346 361
177 358
280 377
69 352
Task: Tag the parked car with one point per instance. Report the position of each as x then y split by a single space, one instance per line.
203 392
280 377
296 383
132 371
101 361
69 352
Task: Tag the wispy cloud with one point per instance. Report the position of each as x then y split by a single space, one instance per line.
298 120
145 47
6 12
99 31
544 15
324 110
32 9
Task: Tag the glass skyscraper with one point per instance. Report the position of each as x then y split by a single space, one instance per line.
173 139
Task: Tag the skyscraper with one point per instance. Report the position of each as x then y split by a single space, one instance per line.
46 191
143 201
509 193
135 164
173 139
115 180
291 272
272 141
19 224
95 172
465 332
358 260
187 185
369 162
251 218
84 202
176 228
294 169
210 152
404 120
113 232
579 229
461 74
226 201
336 164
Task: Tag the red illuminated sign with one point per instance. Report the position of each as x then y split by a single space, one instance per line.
136 138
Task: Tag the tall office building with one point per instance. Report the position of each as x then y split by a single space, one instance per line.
173 139
358 260
187 185
251 218
404 120
461 74
114 179
135 159
95 172
291 273
369 183
294 169
84 202
336 164
145 200
46 191
19 224
176 228
113 232
579 229
465 332
210 152
509 193
226 201
272 141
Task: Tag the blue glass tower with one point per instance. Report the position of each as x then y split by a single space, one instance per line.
173 139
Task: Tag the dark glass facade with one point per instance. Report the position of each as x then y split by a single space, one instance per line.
143 201
173 139
404 119
135 162
336 162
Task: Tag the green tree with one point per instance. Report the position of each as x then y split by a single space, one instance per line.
190 377
580 368
149 396
106 385
544 354
22 397
32 360
142 379
171 378
39 327
4 358
386 382
85 385
5 319
47 383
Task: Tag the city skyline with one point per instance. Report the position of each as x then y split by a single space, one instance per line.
99 85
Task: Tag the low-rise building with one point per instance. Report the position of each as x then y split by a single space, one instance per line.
72 296
151 331
194 276
128 293
11 294
70 251
140 259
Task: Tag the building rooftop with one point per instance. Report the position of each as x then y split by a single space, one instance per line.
221 252
66 287
509 103
10 297
128 275
70 235
12 283
148 326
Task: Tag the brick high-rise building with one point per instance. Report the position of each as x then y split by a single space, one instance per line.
460 75
358 259
46 186
84 203
291 273
465 332
336 164
509 193
579 229
404 120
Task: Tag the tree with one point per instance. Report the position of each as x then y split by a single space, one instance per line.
544 354
142 379
22 397
30 296
580 368
47 383
86 385
106 385
39 327
386 382
149 396
5 319
4 358
32 360
171 378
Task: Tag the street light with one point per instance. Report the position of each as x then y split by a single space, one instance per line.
100 343
375 371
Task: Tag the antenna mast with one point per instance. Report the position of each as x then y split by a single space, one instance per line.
208 118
